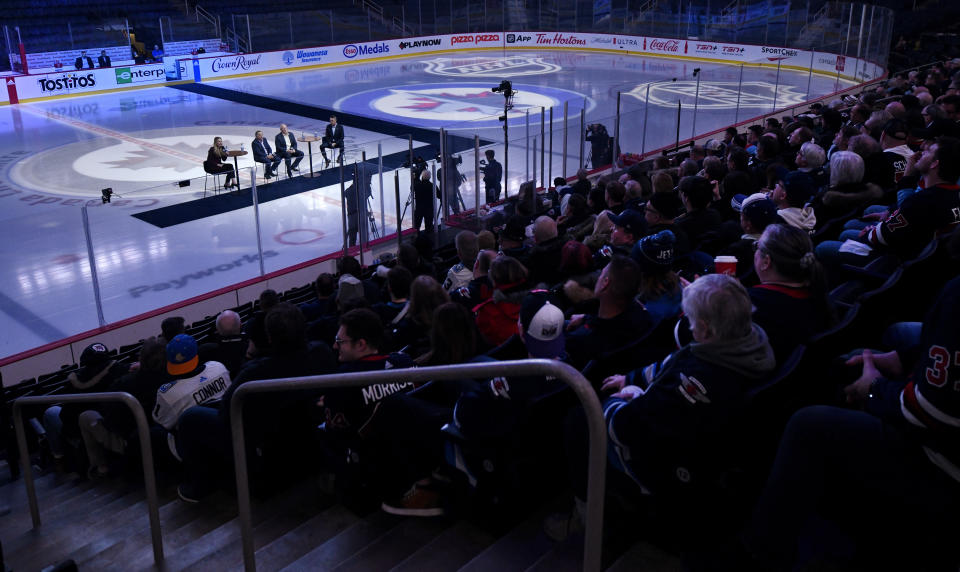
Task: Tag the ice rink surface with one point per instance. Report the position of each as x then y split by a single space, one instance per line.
58 155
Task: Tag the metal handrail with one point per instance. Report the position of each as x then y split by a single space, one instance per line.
581 387
146 453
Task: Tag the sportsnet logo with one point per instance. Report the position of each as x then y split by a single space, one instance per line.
420 43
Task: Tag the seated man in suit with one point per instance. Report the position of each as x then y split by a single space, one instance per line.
262 153
84 61
104 60
332 139
287 148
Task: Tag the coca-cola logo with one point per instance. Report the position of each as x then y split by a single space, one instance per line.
672 46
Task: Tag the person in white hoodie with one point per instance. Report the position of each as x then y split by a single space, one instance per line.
791 195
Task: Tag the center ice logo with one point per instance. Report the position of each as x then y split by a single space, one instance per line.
446 104
514 66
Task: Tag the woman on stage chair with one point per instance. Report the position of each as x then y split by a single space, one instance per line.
214 164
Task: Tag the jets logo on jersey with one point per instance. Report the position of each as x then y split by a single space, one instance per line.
692 390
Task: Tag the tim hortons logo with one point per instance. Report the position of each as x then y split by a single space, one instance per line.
560 40
665 45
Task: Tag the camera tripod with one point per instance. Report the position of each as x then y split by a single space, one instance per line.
372 220
457 197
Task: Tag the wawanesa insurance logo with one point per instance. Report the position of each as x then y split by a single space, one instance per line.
352 51
304 56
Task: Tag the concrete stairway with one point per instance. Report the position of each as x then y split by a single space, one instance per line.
104 526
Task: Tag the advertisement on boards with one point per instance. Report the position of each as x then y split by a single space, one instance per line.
89 80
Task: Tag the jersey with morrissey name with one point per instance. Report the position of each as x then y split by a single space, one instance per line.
177 396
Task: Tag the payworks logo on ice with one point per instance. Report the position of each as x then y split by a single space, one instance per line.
352 51
138 75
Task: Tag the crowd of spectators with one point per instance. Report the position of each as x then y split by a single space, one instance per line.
616 276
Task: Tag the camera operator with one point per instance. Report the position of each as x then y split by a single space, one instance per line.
355 193
492 176
450 184
423 201
600 148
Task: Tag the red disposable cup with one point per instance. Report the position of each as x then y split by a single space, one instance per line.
725 265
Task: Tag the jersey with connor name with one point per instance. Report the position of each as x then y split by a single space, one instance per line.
177 396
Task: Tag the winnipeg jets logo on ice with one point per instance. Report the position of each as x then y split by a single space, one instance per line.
445 104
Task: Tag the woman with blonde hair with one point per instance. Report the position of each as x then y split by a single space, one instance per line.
214 165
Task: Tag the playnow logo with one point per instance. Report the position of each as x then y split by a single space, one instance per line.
420 43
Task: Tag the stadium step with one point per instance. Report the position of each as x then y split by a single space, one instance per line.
453 548
104 526
220 549
646 556
58 539
395 544
345 544
518 549
304 538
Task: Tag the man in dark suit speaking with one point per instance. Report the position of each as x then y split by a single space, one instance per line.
104 60
332 139
262 153
84 61
286 145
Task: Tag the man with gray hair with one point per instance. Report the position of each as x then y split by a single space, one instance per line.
229 347
810 159
544 258
666 422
